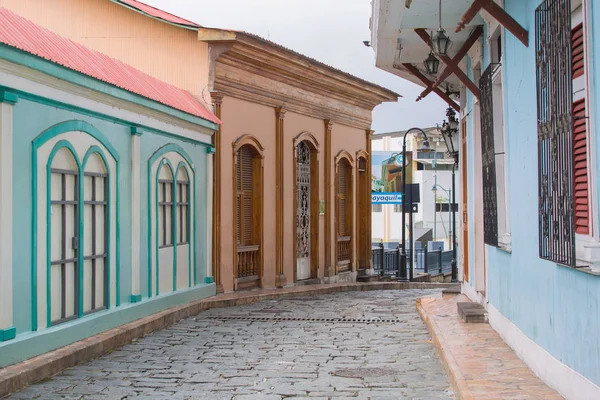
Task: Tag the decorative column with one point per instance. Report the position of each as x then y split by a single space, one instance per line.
329 266
7 101
217 100
136 217
280 279
369 206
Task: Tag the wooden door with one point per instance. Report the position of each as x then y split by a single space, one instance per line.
465 214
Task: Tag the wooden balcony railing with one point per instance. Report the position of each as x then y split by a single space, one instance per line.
343 253
248 261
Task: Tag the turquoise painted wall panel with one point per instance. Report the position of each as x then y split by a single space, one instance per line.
148 146
26 129
555 306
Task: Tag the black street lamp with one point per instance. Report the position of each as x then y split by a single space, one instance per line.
425 148
450 133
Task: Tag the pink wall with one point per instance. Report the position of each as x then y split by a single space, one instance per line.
242 117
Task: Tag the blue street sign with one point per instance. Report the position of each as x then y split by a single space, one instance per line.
386 198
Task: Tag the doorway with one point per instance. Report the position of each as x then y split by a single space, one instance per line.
306 245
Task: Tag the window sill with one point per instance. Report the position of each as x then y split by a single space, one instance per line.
587 254
584 269
505 243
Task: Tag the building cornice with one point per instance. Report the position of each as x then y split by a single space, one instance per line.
257 70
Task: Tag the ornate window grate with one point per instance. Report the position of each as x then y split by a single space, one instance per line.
555 131
490 196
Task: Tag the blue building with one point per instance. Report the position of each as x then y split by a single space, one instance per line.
522 76
105 178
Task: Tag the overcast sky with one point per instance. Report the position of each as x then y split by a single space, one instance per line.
331 31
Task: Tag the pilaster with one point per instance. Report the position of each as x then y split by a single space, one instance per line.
280 279
369 207
136 218
217 100
7 102
329 266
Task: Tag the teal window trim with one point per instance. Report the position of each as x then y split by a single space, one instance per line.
39 141
63 73
153 199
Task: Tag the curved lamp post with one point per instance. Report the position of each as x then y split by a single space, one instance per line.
449 132
425 148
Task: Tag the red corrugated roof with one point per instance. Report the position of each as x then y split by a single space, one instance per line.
18 32
157 13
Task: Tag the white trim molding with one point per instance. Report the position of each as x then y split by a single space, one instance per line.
135 215
7 331
568 382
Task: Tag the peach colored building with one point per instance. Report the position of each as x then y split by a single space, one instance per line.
292 196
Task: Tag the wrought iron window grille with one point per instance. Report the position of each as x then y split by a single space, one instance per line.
490 191
554 84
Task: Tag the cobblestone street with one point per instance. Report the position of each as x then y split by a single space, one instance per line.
365 345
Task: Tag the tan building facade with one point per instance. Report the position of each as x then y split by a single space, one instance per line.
291 186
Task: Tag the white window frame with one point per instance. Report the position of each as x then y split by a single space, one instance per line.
500 140
587 246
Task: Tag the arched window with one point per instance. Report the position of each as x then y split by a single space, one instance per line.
95 214
171 231
165 207
64 229
75 264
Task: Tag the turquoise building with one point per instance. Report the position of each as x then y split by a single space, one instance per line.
105 192
522 75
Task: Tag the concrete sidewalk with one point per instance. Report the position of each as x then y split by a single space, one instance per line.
480 365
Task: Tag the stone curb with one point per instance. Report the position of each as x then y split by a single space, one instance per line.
457 379
16 377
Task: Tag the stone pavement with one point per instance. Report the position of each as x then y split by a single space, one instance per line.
365 345
480 364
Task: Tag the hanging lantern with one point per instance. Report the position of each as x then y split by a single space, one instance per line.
441 43
432 64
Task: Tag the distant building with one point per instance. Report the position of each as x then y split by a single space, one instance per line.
429 170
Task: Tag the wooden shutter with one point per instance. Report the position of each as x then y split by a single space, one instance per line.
582 216
577 51
244 195
342 188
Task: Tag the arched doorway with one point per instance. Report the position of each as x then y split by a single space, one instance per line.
306 200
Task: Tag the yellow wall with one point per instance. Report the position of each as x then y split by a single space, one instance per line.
167 52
